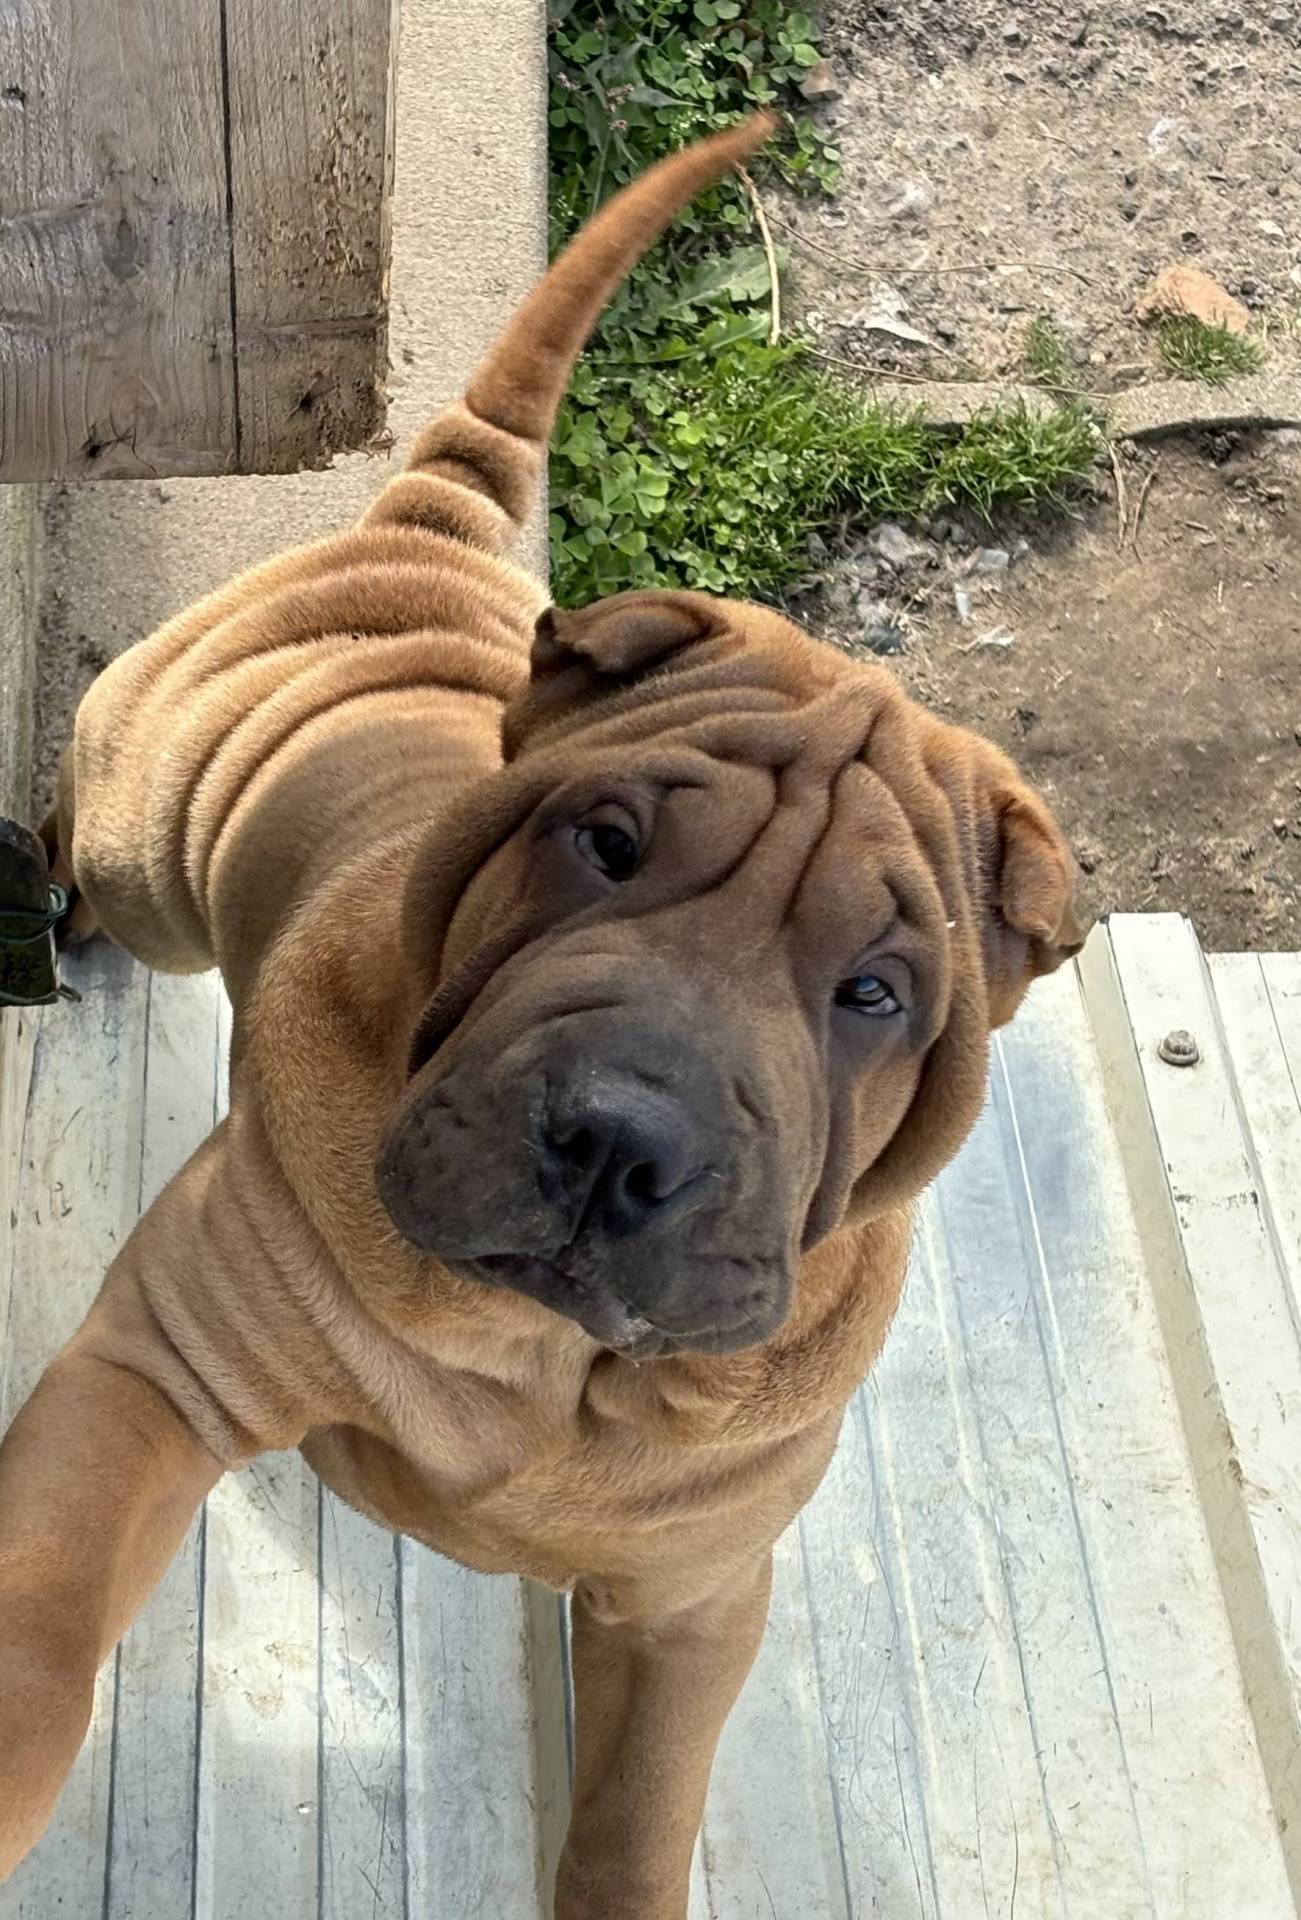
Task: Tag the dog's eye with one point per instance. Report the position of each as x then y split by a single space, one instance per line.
866 993
610 849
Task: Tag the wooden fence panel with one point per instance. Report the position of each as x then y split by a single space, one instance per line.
193 234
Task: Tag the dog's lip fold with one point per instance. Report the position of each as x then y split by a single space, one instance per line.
602 1314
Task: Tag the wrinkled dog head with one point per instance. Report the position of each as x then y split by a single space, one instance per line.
712 974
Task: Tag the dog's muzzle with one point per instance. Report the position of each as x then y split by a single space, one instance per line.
596 1185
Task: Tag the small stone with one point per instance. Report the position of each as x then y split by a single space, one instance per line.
1130 176
821 82
962 604
1129 210
885 639
1020 547
992 560
1282 20
908 199
1014 34
895 546
1188 290
1280 827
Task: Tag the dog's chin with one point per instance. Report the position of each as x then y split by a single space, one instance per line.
602 1313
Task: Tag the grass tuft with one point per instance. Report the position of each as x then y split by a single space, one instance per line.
1194 351
1045 353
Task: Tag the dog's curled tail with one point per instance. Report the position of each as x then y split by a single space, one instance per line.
474 472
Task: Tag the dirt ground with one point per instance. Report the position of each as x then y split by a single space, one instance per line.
1001 163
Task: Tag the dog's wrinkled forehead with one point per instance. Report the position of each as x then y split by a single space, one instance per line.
841 746
744 682
642 666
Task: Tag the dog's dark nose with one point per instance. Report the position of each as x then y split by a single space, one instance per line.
617 1153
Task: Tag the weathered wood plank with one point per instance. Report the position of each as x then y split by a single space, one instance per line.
550 1683
151 1864
363 1764
1220 1281
115 345
1259 1000
18 1031
472 1836
78 1196
311 161
259 1738
1282 973
194 232
769 1842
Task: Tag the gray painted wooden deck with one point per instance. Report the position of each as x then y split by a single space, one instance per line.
1035 1647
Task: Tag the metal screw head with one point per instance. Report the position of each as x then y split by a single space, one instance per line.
1179 1049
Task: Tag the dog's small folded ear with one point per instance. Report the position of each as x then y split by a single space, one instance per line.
625 634
578 655
1034 920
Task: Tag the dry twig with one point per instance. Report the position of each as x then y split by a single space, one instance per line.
765 233
1122 498
1148 478
868 367
893 272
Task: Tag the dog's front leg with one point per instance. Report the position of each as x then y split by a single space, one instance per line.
99 1478
653 1686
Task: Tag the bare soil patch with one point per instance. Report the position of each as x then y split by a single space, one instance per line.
1001 164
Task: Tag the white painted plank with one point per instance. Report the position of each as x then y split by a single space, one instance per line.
1231 1330
1259 1000
363 1784
151 1866
78 1196
551 1696
17 1056
1282 973
258 1759
769 1843
470 1742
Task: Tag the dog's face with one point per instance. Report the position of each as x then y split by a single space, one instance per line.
714 975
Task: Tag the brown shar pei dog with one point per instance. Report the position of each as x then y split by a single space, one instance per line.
606 984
